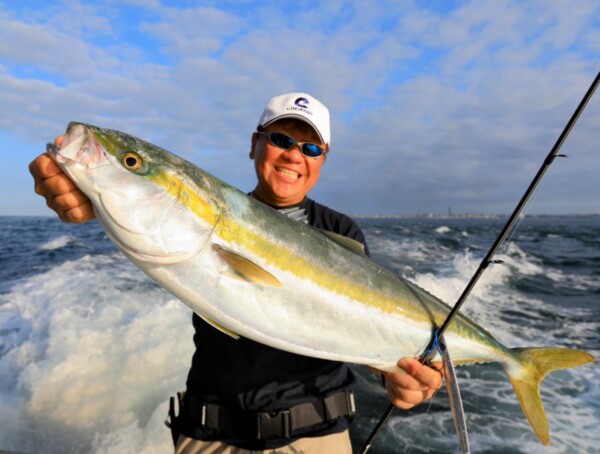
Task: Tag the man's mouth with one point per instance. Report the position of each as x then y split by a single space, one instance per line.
287 173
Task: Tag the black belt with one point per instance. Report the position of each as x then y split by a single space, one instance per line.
242 425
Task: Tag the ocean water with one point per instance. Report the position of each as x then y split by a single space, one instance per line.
91 349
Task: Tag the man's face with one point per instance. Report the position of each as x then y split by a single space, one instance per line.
285 176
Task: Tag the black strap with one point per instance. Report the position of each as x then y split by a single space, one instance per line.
171 422
241 425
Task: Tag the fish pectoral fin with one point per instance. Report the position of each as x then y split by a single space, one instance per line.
240 268
348 243
219 327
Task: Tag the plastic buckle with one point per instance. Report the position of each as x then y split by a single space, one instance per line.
273 424
350 402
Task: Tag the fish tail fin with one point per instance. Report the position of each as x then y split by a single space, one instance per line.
527 375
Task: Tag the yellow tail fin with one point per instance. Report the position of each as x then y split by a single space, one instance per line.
534 365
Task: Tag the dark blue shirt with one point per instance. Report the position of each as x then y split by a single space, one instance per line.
246 375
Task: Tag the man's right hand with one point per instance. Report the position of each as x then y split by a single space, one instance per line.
60 192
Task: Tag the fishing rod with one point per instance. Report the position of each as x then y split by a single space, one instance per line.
488 259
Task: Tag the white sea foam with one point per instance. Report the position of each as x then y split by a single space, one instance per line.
563 392
90 352
97 354
442 229
57 243
409 250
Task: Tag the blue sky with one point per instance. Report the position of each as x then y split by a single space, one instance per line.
434 104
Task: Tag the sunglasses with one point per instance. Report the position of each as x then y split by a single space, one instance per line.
280 140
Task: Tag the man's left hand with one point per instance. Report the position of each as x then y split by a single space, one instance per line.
418 384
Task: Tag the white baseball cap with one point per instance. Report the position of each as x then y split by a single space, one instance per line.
302 106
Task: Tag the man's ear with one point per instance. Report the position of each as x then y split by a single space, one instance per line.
325 154
253 142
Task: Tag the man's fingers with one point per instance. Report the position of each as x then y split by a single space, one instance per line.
69 200
424 377
61 194
409 399
44 167
56 185
78 214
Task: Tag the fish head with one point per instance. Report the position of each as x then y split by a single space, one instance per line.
142 195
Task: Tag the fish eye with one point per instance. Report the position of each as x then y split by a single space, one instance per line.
132 161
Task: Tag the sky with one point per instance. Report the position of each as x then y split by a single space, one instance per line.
435 105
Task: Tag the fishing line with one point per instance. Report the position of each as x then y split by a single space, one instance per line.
430 402
425 357
503 250
521 217
435 345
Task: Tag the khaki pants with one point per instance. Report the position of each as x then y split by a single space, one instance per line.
329 444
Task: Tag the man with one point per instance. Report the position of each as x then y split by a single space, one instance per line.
242 395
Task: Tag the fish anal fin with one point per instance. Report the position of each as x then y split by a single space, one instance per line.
243 269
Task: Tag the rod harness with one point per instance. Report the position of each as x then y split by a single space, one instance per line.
437 334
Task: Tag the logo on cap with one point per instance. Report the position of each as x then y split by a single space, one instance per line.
302 102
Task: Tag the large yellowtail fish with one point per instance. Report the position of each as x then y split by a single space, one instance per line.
251 271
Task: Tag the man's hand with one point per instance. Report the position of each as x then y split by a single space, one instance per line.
60 192
418 384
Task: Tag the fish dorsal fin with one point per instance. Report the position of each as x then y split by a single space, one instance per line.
220 327
241 268
348 243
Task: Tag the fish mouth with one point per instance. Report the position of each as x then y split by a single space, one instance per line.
78 147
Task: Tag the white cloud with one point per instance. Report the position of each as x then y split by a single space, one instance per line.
439 107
